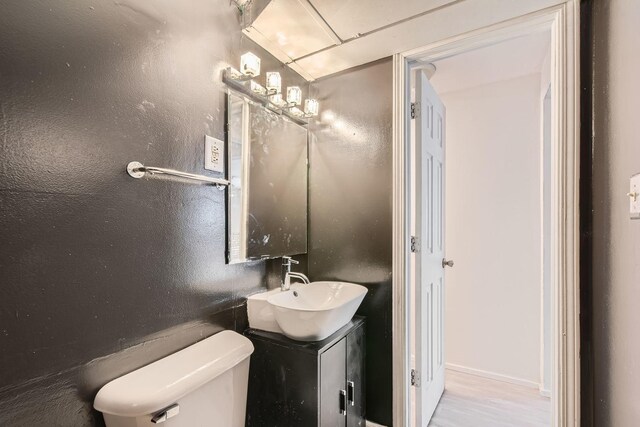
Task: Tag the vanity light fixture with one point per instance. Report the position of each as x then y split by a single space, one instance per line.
296 112
250 65
311 107
274 83
278 101
294 96
257 88
235 74
270 96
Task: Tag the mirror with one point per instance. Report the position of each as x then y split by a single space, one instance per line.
267 197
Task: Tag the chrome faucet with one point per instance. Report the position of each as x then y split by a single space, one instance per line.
287 274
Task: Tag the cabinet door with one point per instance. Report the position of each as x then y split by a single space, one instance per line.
283 386
333 386
355 378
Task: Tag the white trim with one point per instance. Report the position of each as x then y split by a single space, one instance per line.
372 424
543 207
400 257
563 21
493 376
545 393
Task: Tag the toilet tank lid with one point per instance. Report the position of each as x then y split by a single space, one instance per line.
160 384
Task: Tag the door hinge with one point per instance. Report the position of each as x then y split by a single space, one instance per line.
415 244
415 378
415 109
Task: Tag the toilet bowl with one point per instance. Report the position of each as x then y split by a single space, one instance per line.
204 384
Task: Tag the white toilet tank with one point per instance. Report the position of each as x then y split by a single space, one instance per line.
203 385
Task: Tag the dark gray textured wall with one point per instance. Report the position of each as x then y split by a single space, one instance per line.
615 260
350 214
92 262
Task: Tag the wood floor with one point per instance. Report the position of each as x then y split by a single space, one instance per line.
472 401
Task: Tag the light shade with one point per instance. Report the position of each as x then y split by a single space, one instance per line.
294 95
250 64
274 82
311 107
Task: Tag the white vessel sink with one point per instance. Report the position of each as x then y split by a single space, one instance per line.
260 312
313 312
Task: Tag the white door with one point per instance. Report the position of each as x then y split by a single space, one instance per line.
429 260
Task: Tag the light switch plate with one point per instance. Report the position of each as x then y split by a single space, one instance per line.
213 154
634 196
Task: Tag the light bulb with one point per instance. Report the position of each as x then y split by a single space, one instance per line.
250 64
311 107
294 95
274 82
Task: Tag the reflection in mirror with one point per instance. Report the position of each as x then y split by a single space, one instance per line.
267 197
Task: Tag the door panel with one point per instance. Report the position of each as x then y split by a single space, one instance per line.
355 379
332 383
429 292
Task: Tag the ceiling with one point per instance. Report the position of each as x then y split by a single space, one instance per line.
295 31
502 61
317 38
353 18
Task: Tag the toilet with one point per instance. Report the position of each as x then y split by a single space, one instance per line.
202 385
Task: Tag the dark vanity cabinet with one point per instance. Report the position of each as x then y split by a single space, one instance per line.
293 383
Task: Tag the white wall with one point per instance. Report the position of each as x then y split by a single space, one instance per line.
493 228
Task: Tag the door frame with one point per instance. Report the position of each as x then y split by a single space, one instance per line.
562 20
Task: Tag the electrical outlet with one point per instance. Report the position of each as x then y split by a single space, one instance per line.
213 154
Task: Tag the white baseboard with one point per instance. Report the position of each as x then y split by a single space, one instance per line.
372 424
493 376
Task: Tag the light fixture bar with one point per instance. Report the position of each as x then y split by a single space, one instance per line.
251 89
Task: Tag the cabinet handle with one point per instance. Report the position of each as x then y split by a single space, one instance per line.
343 403
351 388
